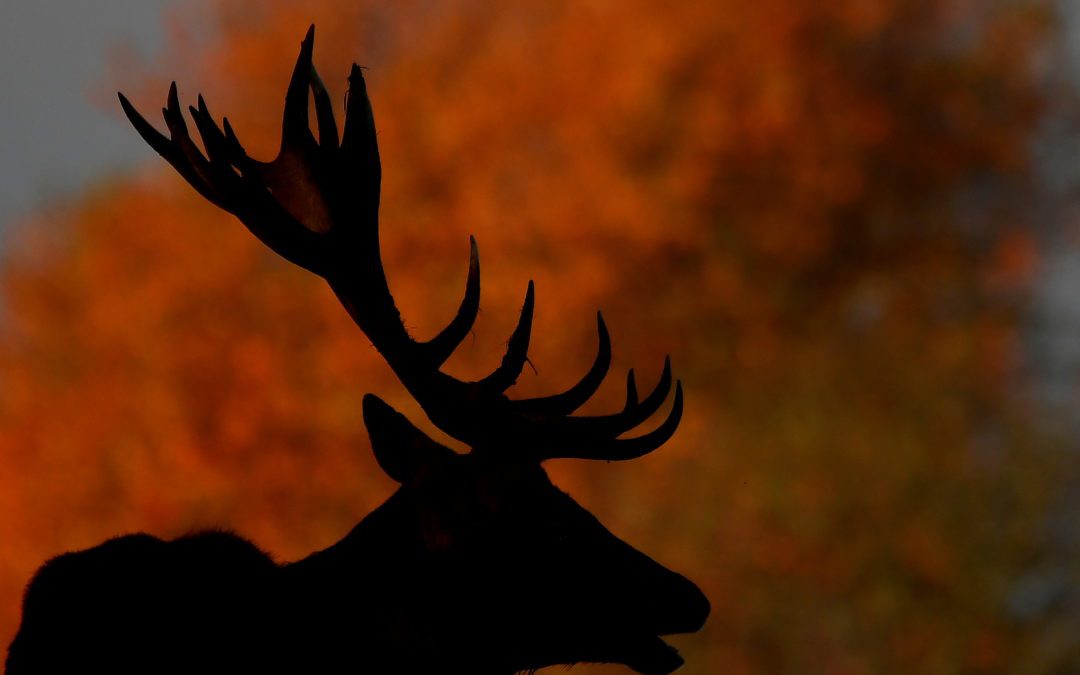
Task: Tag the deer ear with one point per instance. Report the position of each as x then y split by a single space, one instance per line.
400 448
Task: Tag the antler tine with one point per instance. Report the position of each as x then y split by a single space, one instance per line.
617 450
517 349
214 141
219 184
359 160
324 114
294 120
316 204
236 148
441 346
597 430
631 390
573 398
172 152
174 120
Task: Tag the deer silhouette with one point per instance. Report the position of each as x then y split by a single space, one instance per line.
476 564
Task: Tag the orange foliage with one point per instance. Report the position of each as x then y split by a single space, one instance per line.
812 206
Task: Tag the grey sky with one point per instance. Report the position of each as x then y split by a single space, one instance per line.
53 53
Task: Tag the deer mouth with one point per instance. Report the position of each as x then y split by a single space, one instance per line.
647 654
639 650
637 643
629 632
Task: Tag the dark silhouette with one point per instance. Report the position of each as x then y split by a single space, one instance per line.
477 564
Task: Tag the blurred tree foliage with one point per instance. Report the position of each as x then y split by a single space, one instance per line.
817 208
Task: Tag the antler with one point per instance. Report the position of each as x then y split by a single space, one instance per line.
317 205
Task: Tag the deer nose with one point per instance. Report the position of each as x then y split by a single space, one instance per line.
680 608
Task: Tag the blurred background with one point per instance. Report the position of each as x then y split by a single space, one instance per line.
854 225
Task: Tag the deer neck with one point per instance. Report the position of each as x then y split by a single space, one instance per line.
370 560
363 594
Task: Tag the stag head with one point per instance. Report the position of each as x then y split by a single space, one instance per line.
478 561
504 564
